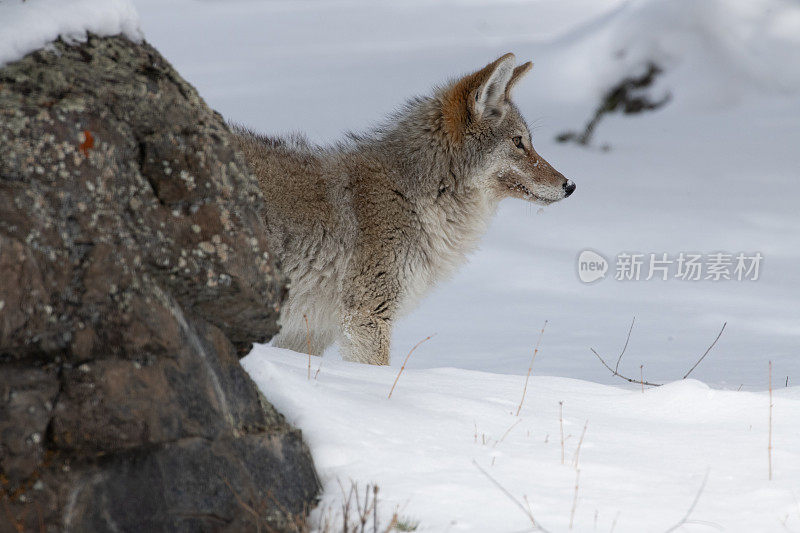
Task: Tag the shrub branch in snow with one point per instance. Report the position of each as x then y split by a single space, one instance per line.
615 370
706 352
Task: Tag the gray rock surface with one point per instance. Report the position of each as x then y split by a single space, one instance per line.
133 271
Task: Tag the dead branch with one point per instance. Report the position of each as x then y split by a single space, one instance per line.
706 352
510 496
629 380
689 512
627 339
615 371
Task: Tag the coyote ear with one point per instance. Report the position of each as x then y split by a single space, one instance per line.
490 95
518 73
476 96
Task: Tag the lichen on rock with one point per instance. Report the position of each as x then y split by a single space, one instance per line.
134 270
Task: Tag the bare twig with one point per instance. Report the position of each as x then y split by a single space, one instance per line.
614 523
629 380
706 352
627 339
375 509
511 497
615 371
641 376
561 425
689 512
308 341
530 368
769 446
406 361
580 442
574 498
244 505
507 432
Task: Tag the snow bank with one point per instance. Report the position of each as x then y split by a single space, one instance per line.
31 25
712 50
642 461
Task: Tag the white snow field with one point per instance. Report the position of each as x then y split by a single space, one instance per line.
717 170
642 461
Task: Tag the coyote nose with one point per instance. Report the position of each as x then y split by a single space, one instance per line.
569 188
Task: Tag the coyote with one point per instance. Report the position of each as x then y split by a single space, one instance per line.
365 227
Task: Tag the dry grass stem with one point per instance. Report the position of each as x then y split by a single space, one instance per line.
530 368
561 425
685 519
580 443
406 361
574 498
507 432
614 523
354 515
769 446
511 497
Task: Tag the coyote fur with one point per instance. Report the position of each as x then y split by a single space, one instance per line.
365 227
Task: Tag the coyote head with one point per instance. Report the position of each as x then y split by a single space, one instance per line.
487 128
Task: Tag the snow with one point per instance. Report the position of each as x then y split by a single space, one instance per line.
642 460
29 25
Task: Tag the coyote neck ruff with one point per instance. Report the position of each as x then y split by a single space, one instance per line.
364 228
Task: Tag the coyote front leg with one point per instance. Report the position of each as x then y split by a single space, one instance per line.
367 336
370 306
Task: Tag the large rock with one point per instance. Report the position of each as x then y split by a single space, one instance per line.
133 270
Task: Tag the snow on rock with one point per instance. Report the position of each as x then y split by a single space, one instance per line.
642 461
26 26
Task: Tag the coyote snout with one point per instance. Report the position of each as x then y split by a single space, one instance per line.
363 229
529 176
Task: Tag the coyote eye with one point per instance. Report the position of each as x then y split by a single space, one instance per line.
518 142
